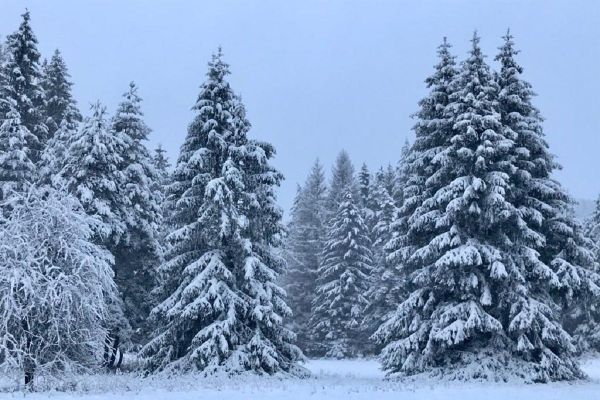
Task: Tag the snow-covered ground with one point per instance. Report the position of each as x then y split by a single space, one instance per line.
331 380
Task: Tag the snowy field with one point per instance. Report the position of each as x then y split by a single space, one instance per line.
331 380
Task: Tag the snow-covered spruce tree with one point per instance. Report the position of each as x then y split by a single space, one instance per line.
400 176
60 104
21 84
161 164
55 284
342 177
386 287
138 253
547 209
62 118
222 309
366 199
16 167
364 185
91 173
467 253
162 167
306 237
342 280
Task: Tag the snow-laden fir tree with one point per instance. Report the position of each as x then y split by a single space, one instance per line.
16 167
386 288
92 174
306 236
342 177
547 209
364 185
62 118
342 280
21 86
400 176
138 253
366 199
161 164
60 104
222 308
162 167
55 284
468 253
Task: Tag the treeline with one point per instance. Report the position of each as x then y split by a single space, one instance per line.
464 260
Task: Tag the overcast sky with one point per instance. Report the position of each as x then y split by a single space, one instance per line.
318 76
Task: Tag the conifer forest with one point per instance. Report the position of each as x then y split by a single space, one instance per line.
462 268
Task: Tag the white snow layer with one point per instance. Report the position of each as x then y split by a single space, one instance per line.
331 380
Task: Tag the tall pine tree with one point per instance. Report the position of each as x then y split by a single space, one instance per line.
364 184
342 280
62 118
16 167
303 251
222 308
161 164
21 85
467 250
60 104
137 255
92 174
386 287
342 177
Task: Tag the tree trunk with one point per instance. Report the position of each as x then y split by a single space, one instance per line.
29 374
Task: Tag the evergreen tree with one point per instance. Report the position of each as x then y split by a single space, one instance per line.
54 155
342 280
547 209
469 254
92 174
161 164
342 177
21 85
222 308
386 287
367 201
364 185
16 167
62 119
400 176
303 251
60 104
138 253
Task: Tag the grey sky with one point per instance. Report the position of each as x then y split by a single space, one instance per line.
317 76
